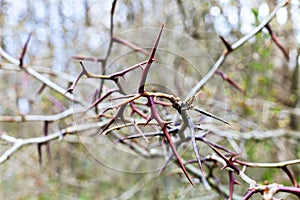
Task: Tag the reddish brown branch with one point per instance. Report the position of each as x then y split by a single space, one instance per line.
203 139
137 111
123 72
130 45
24 51
291 190
227 45
56 103
149 62
277 42
162 124
249 194
39 145
46 132
41 89
113 76
95 103
232 82
83 72
229 162
113 8
162 103
232 182
103 66
39 150
290 175
118 115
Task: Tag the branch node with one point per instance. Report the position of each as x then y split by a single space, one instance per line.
227 45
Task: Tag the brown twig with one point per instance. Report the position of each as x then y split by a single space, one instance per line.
24 51
232 82
39 145
118 115
96 102
87 58
151 134
229 161
232 182
227 45
113 76
277 42
135 110
104 62
130 45
290 175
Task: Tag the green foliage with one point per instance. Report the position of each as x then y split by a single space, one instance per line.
258 72
255 12
246 109
276 109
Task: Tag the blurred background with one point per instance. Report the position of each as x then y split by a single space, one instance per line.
62 29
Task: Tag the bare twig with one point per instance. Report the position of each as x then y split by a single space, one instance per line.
104 62
88 58
49 118
130 45
43 79
269 165
210 115
113 76
277 42
95 103
118 115
24 51
290 175
232 82
18 143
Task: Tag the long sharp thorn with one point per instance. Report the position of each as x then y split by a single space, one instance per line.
211 115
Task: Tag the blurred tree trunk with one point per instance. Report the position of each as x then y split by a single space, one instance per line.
295 95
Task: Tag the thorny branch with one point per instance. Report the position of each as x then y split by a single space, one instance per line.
40 77
149 62
17 143
142 113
